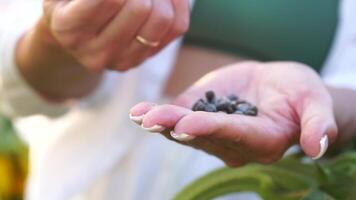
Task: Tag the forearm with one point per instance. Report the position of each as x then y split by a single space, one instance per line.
345 114
51 71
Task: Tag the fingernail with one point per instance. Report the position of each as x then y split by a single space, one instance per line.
324 143
154 129
137 119
183 137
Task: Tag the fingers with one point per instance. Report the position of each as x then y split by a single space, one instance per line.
181 21
188 124
256 138
220 125
226 136
165 115
138 112
102 34
169 20
131 18
116 37
75 24
157 118
157 25
153 31
318 126
179 26
83 14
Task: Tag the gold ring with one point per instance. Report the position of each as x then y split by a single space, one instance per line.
146 42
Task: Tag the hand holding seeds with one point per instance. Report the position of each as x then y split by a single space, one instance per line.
248 112
102 33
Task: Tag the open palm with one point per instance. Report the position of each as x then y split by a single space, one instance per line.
293 104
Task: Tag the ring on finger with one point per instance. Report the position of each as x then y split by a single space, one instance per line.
146 42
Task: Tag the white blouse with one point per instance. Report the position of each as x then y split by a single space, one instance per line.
90 150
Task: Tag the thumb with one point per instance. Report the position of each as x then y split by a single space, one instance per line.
318 126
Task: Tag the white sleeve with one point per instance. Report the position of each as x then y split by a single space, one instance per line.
340 68
17 98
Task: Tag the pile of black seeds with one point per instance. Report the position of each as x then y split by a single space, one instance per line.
230 104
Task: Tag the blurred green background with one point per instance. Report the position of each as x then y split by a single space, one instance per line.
298 30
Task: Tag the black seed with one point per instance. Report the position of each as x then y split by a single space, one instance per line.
238 112
222 106
252 111
234 103
243 107
225 105
222 100
210 96
233 97
230 109
228 104
241 102
199 105
254 108
210 107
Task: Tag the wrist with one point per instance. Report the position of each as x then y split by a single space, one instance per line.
44 64
34 42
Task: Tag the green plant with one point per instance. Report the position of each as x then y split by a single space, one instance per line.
289 179
13 162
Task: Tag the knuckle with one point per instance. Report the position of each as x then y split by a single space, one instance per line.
73 40
161 109
141 8
95 64
163 18
181 27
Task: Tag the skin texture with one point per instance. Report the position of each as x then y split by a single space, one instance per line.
77 40
294 107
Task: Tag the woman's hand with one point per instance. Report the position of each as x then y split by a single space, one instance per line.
293 104
63 55
102 33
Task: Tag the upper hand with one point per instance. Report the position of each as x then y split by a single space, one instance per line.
294 107
102 33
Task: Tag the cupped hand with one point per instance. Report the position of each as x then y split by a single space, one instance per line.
102 33
294 107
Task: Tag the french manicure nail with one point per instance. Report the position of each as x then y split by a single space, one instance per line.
154 129
324 143
183 137
137 119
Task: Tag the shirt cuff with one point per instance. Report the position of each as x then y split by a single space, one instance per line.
17 98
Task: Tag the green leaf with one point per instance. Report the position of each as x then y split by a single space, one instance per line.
323 173
317 195
270 182
10 143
